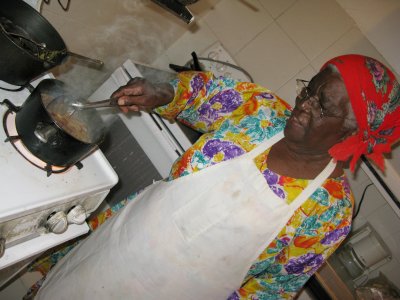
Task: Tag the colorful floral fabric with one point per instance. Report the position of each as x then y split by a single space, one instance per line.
374 94
235 117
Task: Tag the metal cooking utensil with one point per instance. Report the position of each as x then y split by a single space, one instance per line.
102 103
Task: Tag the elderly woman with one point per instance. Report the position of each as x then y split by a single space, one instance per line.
256 205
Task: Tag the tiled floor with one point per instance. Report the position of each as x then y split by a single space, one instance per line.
275 41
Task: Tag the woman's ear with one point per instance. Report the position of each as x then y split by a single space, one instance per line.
350 124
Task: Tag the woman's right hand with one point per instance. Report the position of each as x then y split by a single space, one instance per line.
140 94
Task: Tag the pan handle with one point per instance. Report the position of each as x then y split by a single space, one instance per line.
97 62
44 132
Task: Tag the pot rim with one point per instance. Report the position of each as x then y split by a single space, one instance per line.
63 89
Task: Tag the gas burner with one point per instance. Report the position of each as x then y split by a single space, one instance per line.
13 137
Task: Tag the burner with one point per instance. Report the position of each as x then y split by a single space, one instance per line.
13 137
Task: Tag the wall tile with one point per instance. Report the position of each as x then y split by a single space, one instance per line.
276 8
384 220
56 20
202 8
162 62
352 42
373 200
358 222
272 58
315 24
227 22
393 242
358 177
198 38
379 21
376 11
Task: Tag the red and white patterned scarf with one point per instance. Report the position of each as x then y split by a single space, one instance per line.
375 98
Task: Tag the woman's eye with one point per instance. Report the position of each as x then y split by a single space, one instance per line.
322 103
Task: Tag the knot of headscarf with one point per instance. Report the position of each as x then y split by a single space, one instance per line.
375 98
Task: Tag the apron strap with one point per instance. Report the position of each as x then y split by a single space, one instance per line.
265 145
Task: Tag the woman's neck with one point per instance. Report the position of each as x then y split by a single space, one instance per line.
296 162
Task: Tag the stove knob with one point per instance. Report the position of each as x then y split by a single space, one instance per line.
57 222
76 215
2 246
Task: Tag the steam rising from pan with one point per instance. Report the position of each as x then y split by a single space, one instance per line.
135 29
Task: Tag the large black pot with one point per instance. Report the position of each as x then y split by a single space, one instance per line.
19 64
47 136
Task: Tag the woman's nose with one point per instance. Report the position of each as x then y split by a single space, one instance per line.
307 104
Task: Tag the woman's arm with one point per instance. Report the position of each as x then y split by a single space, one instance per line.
204 102
198 99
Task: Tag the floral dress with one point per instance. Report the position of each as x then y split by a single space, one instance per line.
234 118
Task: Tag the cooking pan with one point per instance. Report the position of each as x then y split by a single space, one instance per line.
29 44
53 135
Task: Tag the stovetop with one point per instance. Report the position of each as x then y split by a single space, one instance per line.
24 187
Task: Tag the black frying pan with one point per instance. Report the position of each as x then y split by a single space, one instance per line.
29 44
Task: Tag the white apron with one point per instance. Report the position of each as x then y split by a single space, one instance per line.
192 238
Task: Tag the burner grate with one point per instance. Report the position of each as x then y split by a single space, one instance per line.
15 140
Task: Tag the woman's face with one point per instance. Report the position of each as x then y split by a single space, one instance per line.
317 121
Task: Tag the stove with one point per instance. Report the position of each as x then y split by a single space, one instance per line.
12 136
39 211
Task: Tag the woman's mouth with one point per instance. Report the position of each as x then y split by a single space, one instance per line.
294 121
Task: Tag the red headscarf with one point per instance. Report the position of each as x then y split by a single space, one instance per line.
375 98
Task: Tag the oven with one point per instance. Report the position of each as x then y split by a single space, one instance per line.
41 209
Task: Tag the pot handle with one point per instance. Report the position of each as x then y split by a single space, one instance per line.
44 132
97 62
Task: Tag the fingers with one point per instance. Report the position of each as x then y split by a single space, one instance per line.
126 109
139 100
136 95
126 105
133 103
135 86
128 90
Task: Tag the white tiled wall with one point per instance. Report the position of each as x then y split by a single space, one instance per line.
379 20
276 41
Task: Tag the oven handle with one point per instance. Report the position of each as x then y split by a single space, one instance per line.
2 246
